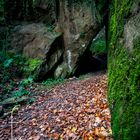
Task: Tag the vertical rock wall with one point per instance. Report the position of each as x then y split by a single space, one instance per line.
124 69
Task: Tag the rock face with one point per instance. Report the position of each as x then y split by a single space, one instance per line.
124 69
79 24
37 44
60 50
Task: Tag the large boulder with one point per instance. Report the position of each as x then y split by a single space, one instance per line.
79 22
43 49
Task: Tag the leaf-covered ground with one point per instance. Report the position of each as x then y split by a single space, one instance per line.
75 110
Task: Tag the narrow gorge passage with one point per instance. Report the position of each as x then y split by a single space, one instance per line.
75 110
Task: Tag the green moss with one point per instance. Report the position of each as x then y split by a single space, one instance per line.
98 47
49 83
124 92
124 76
119 11
32 66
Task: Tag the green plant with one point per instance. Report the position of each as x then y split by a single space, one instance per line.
31 65
49 83
50 28
11 68
98 46
22 87
7 63
21 92
26 82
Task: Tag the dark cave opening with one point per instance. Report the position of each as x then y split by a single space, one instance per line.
90 63
94 58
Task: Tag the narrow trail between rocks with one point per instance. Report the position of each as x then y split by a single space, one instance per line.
77 110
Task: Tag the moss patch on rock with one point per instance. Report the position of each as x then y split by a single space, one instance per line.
119 11
32 67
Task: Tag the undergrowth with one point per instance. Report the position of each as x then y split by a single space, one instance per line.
49 83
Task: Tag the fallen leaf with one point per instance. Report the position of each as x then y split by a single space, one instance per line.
74 129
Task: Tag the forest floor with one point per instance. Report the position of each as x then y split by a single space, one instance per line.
75 110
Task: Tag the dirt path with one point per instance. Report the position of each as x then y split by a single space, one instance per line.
73 111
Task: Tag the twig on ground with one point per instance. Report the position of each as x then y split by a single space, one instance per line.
12 131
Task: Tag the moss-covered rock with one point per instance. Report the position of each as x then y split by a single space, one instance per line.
124 69
43 49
